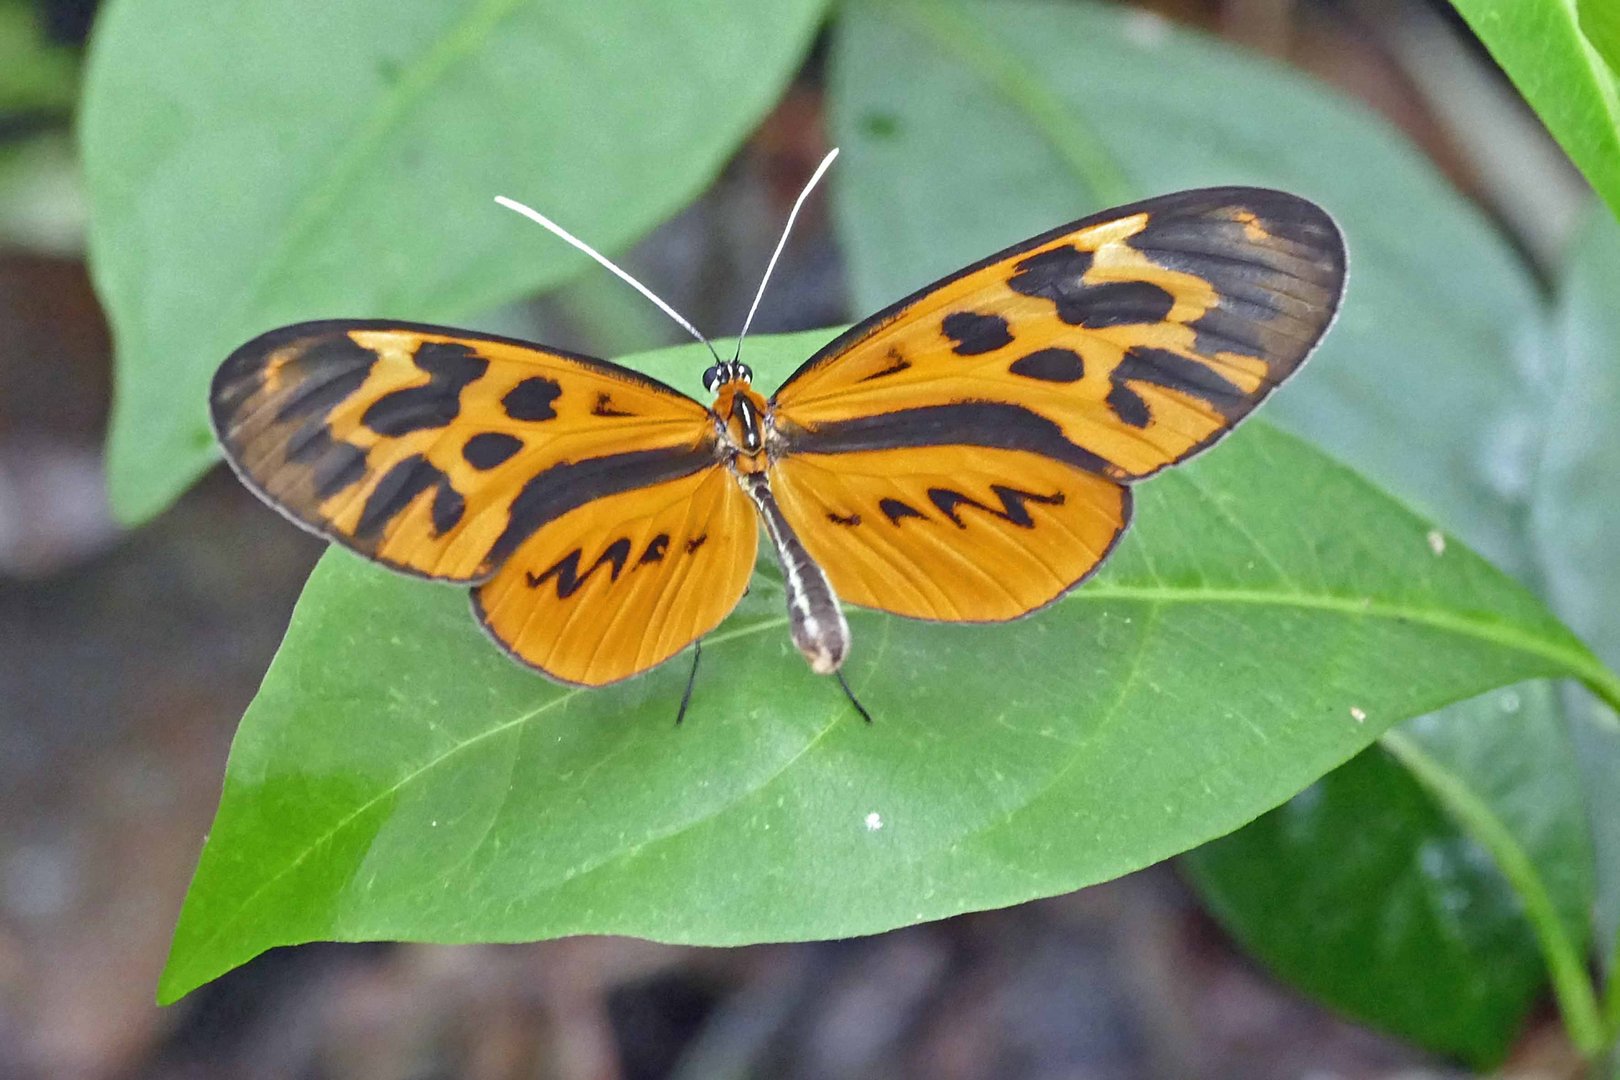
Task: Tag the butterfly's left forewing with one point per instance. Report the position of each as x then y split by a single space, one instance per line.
963 455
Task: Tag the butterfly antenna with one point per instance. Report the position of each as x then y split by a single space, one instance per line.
563 234
782 243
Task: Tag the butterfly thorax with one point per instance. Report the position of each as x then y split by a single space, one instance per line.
742 415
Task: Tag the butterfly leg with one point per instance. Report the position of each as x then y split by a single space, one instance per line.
691 678
853 700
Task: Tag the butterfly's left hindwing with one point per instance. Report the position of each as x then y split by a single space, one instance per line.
441 452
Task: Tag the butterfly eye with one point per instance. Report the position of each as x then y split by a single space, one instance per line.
710 378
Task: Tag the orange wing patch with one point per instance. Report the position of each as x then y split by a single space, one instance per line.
621 584
1135 339
952 533
440 451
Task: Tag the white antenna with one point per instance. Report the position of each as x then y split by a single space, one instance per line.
782 243
562 233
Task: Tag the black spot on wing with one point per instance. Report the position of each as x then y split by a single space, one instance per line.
448 506
604 407
1055 275
657 548
1128 405
843 519
488 449
334 465
1176 372
696 542
1012 509
322 375
399 486
1123 303
896 511
450 368
531 399
566 570
340 467
975 334
897 364
1050 365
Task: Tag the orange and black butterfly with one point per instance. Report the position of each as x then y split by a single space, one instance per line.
964 455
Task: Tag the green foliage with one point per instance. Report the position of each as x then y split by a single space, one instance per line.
398 777
250 165
1562 73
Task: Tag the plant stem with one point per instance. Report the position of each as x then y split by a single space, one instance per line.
1577 1000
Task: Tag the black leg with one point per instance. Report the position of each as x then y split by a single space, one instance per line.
852 699
686 698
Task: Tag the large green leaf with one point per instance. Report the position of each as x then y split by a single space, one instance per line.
1541 46
255 164
1268 616
1419 386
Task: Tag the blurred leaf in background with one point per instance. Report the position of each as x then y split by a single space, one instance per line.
262 164
1575 519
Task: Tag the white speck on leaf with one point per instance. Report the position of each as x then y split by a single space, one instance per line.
1437 541
1358 714
874 821
1510 701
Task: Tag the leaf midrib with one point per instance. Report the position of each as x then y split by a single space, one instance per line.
1569 655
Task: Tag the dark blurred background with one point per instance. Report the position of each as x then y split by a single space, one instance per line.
127 657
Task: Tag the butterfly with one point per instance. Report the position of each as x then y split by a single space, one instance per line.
964 455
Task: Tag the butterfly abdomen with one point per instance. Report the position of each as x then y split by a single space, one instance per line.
815 619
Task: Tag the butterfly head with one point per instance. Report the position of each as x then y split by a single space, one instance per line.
724 372
740 412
